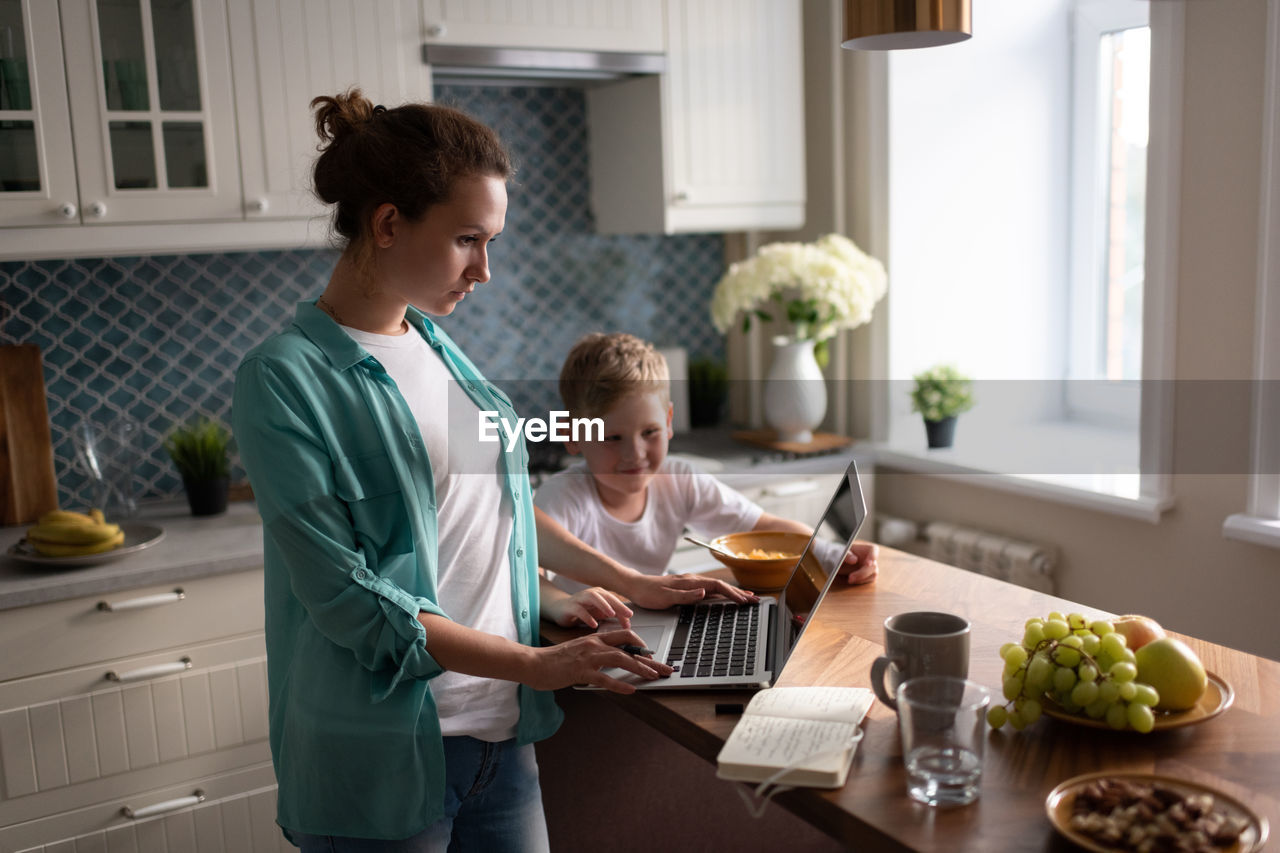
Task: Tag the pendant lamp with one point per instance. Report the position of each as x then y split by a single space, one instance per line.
902 24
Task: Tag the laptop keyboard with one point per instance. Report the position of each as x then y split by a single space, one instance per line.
715 638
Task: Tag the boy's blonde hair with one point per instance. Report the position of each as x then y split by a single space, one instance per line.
601 370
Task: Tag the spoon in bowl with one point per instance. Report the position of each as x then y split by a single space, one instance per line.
710 546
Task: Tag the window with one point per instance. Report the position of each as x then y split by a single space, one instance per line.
1026 245
1111 63
1260 523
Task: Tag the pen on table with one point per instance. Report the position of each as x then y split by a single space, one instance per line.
635 650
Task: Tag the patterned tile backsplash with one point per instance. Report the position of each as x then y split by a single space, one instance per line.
158 338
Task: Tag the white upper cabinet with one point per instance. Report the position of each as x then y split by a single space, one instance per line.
717 142
37 167
605 25
149 87
286 52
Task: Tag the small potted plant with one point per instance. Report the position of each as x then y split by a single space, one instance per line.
201 452
940 394
708 392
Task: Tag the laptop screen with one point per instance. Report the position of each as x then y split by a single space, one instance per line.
819 563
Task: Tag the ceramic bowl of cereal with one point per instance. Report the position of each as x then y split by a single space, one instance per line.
761 560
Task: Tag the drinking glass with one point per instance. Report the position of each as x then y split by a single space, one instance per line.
943 724
108 453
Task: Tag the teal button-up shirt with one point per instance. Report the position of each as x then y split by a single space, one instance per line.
348 504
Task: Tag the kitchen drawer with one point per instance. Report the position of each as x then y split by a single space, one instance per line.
62 634
237 816
71 738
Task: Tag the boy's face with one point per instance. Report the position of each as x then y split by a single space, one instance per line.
636 432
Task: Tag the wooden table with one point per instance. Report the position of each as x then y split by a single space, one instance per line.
1237 752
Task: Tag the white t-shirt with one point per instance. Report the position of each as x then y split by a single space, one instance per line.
679 496
474 573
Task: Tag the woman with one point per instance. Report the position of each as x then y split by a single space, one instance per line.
405 680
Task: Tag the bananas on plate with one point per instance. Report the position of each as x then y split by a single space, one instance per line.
61 533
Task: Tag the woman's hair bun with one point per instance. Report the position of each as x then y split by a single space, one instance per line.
339 115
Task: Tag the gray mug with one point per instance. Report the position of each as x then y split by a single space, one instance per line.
920 643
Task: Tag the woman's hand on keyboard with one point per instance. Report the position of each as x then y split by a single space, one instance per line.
582 660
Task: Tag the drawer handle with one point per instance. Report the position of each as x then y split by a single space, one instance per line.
144 672
789 489
197 797
142 601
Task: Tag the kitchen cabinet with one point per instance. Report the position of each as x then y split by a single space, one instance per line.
220 819
285 53
611 25
191 116
37 165
149 89
717 142
137 700
144 85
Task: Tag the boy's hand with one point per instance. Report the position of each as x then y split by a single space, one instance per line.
658 592
859 564
586 607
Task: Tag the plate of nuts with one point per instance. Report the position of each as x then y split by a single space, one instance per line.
1147 813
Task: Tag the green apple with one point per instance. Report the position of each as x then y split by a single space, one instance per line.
1173 669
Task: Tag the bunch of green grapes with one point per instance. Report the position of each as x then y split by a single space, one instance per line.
1085 667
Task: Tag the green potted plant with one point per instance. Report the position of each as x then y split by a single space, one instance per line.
708 392
202 453
940 394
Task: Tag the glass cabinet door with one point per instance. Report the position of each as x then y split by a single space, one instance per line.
159 108
37 174
19 165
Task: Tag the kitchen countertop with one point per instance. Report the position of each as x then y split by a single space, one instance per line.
192 547
232 542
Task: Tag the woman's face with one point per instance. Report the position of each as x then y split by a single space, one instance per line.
435 262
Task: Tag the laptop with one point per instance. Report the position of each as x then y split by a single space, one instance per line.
720 644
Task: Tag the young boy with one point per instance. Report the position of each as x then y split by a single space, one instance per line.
630 500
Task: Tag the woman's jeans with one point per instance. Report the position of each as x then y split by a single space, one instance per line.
492 804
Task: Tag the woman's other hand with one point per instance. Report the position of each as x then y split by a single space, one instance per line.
860 563
587 607
658 592
582 660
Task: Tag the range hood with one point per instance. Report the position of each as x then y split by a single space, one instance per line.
505 65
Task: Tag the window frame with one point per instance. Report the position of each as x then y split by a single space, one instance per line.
1086 397
1260 523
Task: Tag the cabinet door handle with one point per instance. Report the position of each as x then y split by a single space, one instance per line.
436 30
197 796
786 490
68 210
97 209
144 672
680 196
142 601
259 205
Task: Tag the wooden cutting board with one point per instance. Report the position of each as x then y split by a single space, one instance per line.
28 486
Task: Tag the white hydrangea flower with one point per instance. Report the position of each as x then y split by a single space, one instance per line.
843 281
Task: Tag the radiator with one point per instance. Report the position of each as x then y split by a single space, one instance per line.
1023 563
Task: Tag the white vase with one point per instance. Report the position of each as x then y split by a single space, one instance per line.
795 394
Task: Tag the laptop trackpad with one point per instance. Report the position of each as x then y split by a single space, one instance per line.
653 634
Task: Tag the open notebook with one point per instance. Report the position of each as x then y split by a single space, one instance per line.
796 736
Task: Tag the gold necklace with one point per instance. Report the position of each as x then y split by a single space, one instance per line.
327 307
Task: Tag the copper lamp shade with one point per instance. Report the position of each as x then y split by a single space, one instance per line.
901 24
